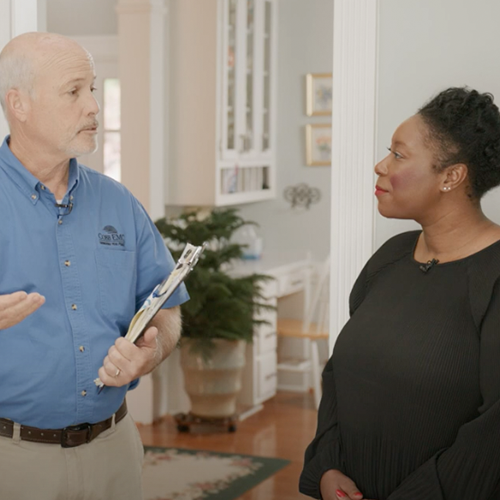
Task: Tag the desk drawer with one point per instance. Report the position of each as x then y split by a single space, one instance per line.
267 372
266 341
291 282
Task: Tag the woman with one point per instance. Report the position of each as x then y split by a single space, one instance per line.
411 395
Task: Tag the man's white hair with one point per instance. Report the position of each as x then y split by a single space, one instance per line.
16 72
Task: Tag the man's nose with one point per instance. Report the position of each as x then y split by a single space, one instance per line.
93 105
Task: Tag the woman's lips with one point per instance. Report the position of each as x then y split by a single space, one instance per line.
379 191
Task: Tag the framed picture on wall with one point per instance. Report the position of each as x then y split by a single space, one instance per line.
319 94
319 144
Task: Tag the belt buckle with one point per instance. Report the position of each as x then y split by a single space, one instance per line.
75 428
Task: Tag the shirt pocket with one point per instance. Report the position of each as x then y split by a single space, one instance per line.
117 279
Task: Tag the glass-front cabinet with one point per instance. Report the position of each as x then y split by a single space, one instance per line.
248 78
223 85
246 169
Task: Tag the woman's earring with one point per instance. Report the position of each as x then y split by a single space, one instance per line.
446 188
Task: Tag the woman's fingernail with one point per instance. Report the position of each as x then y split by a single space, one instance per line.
340 493
358 494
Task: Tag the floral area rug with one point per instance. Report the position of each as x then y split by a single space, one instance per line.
180 474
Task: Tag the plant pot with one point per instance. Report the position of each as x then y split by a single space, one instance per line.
213 384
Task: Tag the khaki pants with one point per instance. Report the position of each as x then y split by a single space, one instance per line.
108 468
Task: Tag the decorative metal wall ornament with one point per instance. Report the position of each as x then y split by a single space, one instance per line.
302 195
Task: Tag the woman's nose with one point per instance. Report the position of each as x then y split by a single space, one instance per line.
381 166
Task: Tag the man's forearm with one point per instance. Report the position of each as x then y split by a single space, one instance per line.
168 322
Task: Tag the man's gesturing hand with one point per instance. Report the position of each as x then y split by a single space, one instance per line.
17 306
126 361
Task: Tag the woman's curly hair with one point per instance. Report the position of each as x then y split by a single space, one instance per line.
464 127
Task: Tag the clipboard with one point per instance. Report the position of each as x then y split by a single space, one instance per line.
161 293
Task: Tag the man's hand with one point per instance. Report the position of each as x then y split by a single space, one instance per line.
337 486
17 306
126 361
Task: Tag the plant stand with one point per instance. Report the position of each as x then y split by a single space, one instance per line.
186 420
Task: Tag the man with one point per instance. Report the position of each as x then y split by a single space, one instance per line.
78 257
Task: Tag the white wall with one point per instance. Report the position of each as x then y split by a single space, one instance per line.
5 36
426 46
81 17
305 36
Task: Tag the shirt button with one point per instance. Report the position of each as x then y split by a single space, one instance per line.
33 196
43 187
59 221
71 197
81 348
67 263
73 306
83 393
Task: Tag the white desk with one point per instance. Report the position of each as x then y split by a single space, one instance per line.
163 391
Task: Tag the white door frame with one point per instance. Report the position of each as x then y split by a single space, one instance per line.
18 16
353 149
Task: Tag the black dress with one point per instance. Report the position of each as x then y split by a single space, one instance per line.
411 394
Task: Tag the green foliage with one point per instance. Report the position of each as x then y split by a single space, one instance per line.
221 305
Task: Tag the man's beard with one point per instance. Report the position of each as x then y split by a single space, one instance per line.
76 151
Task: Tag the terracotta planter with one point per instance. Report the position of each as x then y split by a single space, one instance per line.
213 385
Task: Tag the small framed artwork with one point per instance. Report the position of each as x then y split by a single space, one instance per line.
319 94
319 144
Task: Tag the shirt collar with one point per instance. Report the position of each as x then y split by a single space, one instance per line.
24 179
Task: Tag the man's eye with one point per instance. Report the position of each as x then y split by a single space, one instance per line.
73 92
395 153
93 89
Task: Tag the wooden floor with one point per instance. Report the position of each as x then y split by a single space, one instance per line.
283 430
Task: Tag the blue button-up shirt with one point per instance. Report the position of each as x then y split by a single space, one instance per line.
95 265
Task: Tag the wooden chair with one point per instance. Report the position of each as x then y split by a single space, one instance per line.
315 307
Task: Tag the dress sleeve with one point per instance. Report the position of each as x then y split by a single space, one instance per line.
323 453
470 467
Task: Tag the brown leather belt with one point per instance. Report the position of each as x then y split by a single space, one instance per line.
68 437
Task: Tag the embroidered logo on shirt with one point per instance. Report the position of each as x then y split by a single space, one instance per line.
110 237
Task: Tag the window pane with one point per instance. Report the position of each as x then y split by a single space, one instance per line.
112 150
112 104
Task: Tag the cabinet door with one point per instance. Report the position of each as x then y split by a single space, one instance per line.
247 109
231 53
248 79
267 75
256 123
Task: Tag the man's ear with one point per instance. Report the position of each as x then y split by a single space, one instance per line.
17 104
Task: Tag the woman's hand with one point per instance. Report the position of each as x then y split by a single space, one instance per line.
337 486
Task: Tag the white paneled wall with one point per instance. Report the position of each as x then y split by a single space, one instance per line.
353 147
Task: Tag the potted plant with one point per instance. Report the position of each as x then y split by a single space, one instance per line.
219 319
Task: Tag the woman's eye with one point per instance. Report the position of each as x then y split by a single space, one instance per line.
395 153
93 89
73 91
